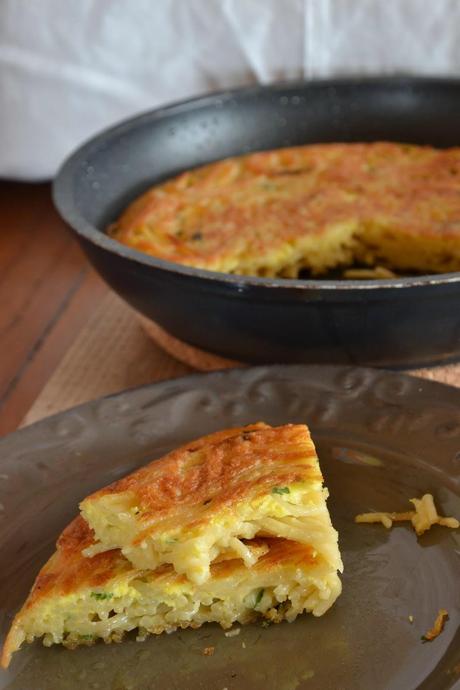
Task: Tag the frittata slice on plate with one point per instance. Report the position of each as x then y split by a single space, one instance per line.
203 499
76 600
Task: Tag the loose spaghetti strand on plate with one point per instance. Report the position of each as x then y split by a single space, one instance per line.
422 518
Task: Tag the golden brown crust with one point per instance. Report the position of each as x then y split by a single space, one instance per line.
221 215
67 570
217 471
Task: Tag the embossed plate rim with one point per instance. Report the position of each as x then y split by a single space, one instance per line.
189 378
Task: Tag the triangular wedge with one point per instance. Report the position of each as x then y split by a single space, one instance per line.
76 600
202 499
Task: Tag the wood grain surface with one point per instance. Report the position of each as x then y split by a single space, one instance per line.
47 293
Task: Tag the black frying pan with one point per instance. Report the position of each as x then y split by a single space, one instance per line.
399 322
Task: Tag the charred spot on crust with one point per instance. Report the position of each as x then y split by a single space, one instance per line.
292 171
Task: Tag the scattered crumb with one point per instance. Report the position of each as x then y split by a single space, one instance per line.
233 633
411 619
208 651
422 518
243 644
438 626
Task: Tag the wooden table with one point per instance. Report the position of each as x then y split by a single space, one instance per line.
47 292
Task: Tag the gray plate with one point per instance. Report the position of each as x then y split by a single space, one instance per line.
382 438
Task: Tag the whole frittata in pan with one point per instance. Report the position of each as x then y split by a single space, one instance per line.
368 209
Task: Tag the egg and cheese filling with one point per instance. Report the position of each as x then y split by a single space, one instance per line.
288 579
297 512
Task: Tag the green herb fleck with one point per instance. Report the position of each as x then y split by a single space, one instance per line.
265 624
171 540
259 596
280 490
100 596
86 637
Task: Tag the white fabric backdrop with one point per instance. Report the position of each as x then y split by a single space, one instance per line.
68 69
